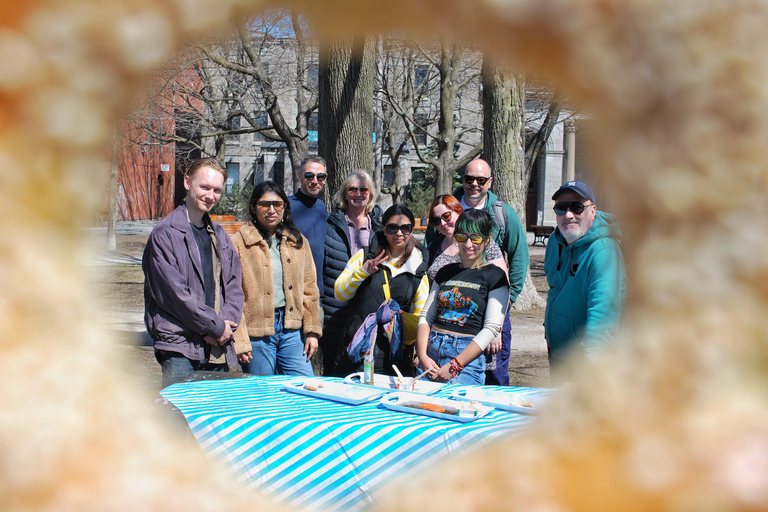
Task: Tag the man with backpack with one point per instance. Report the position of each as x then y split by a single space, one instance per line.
510 237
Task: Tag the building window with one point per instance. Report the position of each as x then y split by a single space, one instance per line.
312 77
420 129
234 125
262 119
420 78
233 177
389 176
278 172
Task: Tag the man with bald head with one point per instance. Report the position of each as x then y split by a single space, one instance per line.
510 237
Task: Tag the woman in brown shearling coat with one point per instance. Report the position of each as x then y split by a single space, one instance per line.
280 285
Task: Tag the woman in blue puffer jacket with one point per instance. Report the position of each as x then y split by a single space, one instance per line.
351 226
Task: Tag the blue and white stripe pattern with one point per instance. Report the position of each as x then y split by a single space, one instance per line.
318 454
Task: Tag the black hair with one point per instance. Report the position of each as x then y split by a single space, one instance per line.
397 209
286 224
476 221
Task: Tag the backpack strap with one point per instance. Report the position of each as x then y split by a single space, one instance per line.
387 293
501 218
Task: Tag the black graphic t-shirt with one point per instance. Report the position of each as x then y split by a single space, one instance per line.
463 296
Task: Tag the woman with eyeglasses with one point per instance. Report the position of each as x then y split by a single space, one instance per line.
280 285
465 308
394 257
443 213
350 227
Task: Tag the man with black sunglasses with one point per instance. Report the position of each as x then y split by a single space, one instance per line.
587 278
509 236
308 210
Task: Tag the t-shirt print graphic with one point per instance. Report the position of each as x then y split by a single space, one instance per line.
455 308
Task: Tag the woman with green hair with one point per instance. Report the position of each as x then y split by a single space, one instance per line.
465 307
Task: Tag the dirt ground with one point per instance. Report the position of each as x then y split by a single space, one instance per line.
118 279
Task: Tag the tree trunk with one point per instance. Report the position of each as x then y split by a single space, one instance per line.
113 174
504 143
345 139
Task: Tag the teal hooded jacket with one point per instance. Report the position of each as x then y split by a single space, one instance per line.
587 285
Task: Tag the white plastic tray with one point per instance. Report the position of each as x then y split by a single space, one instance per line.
397 402
389 383
507 401
336 391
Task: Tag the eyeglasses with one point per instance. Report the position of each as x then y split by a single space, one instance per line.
392 229
481 180
577 207
265 205
309 176
473 237
435 221
355 190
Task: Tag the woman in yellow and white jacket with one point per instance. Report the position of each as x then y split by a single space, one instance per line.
393 256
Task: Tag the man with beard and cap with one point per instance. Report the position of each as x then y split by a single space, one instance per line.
587 279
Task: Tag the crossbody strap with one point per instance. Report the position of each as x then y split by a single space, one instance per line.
387 294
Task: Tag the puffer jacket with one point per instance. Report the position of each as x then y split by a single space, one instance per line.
587 286
337 253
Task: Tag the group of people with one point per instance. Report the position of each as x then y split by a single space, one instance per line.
296 279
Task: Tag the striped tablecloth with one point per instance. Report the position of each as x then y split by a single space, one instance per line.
318 454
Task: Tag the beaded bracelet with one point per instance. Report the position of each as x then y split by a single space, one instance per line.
456 366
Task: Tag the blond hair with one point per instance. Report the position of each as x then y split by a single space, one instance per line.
341 194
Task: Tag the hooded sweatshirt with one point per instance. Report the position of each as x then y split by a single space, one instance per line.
587 286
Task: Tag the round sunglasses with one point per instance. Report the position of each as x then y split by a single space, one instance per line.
435 221
392 229
355 190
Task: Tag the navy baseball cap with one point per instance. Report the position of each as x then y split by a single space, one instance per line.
579 187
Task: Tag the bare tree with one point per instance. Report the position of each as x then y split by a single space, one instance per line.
508 152
347 74
443 74
252 43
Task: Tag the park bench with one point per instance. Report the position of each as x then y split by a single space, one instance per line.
228 222
541 234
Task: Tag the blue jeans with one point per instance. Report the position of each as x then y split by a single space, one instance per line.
443 347
279 354
500 375
176 367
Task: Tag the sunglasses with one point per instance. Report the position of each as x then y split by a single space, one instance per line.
309 176
265 205
481 180
577 207
355 190
392 229
435 221
474 238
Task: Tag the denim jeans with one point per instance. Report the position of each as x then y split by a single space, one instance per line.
279 354
443 347
499 376
176 367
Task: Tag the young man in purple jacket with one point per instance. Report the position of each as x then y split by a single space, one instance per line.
193 295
